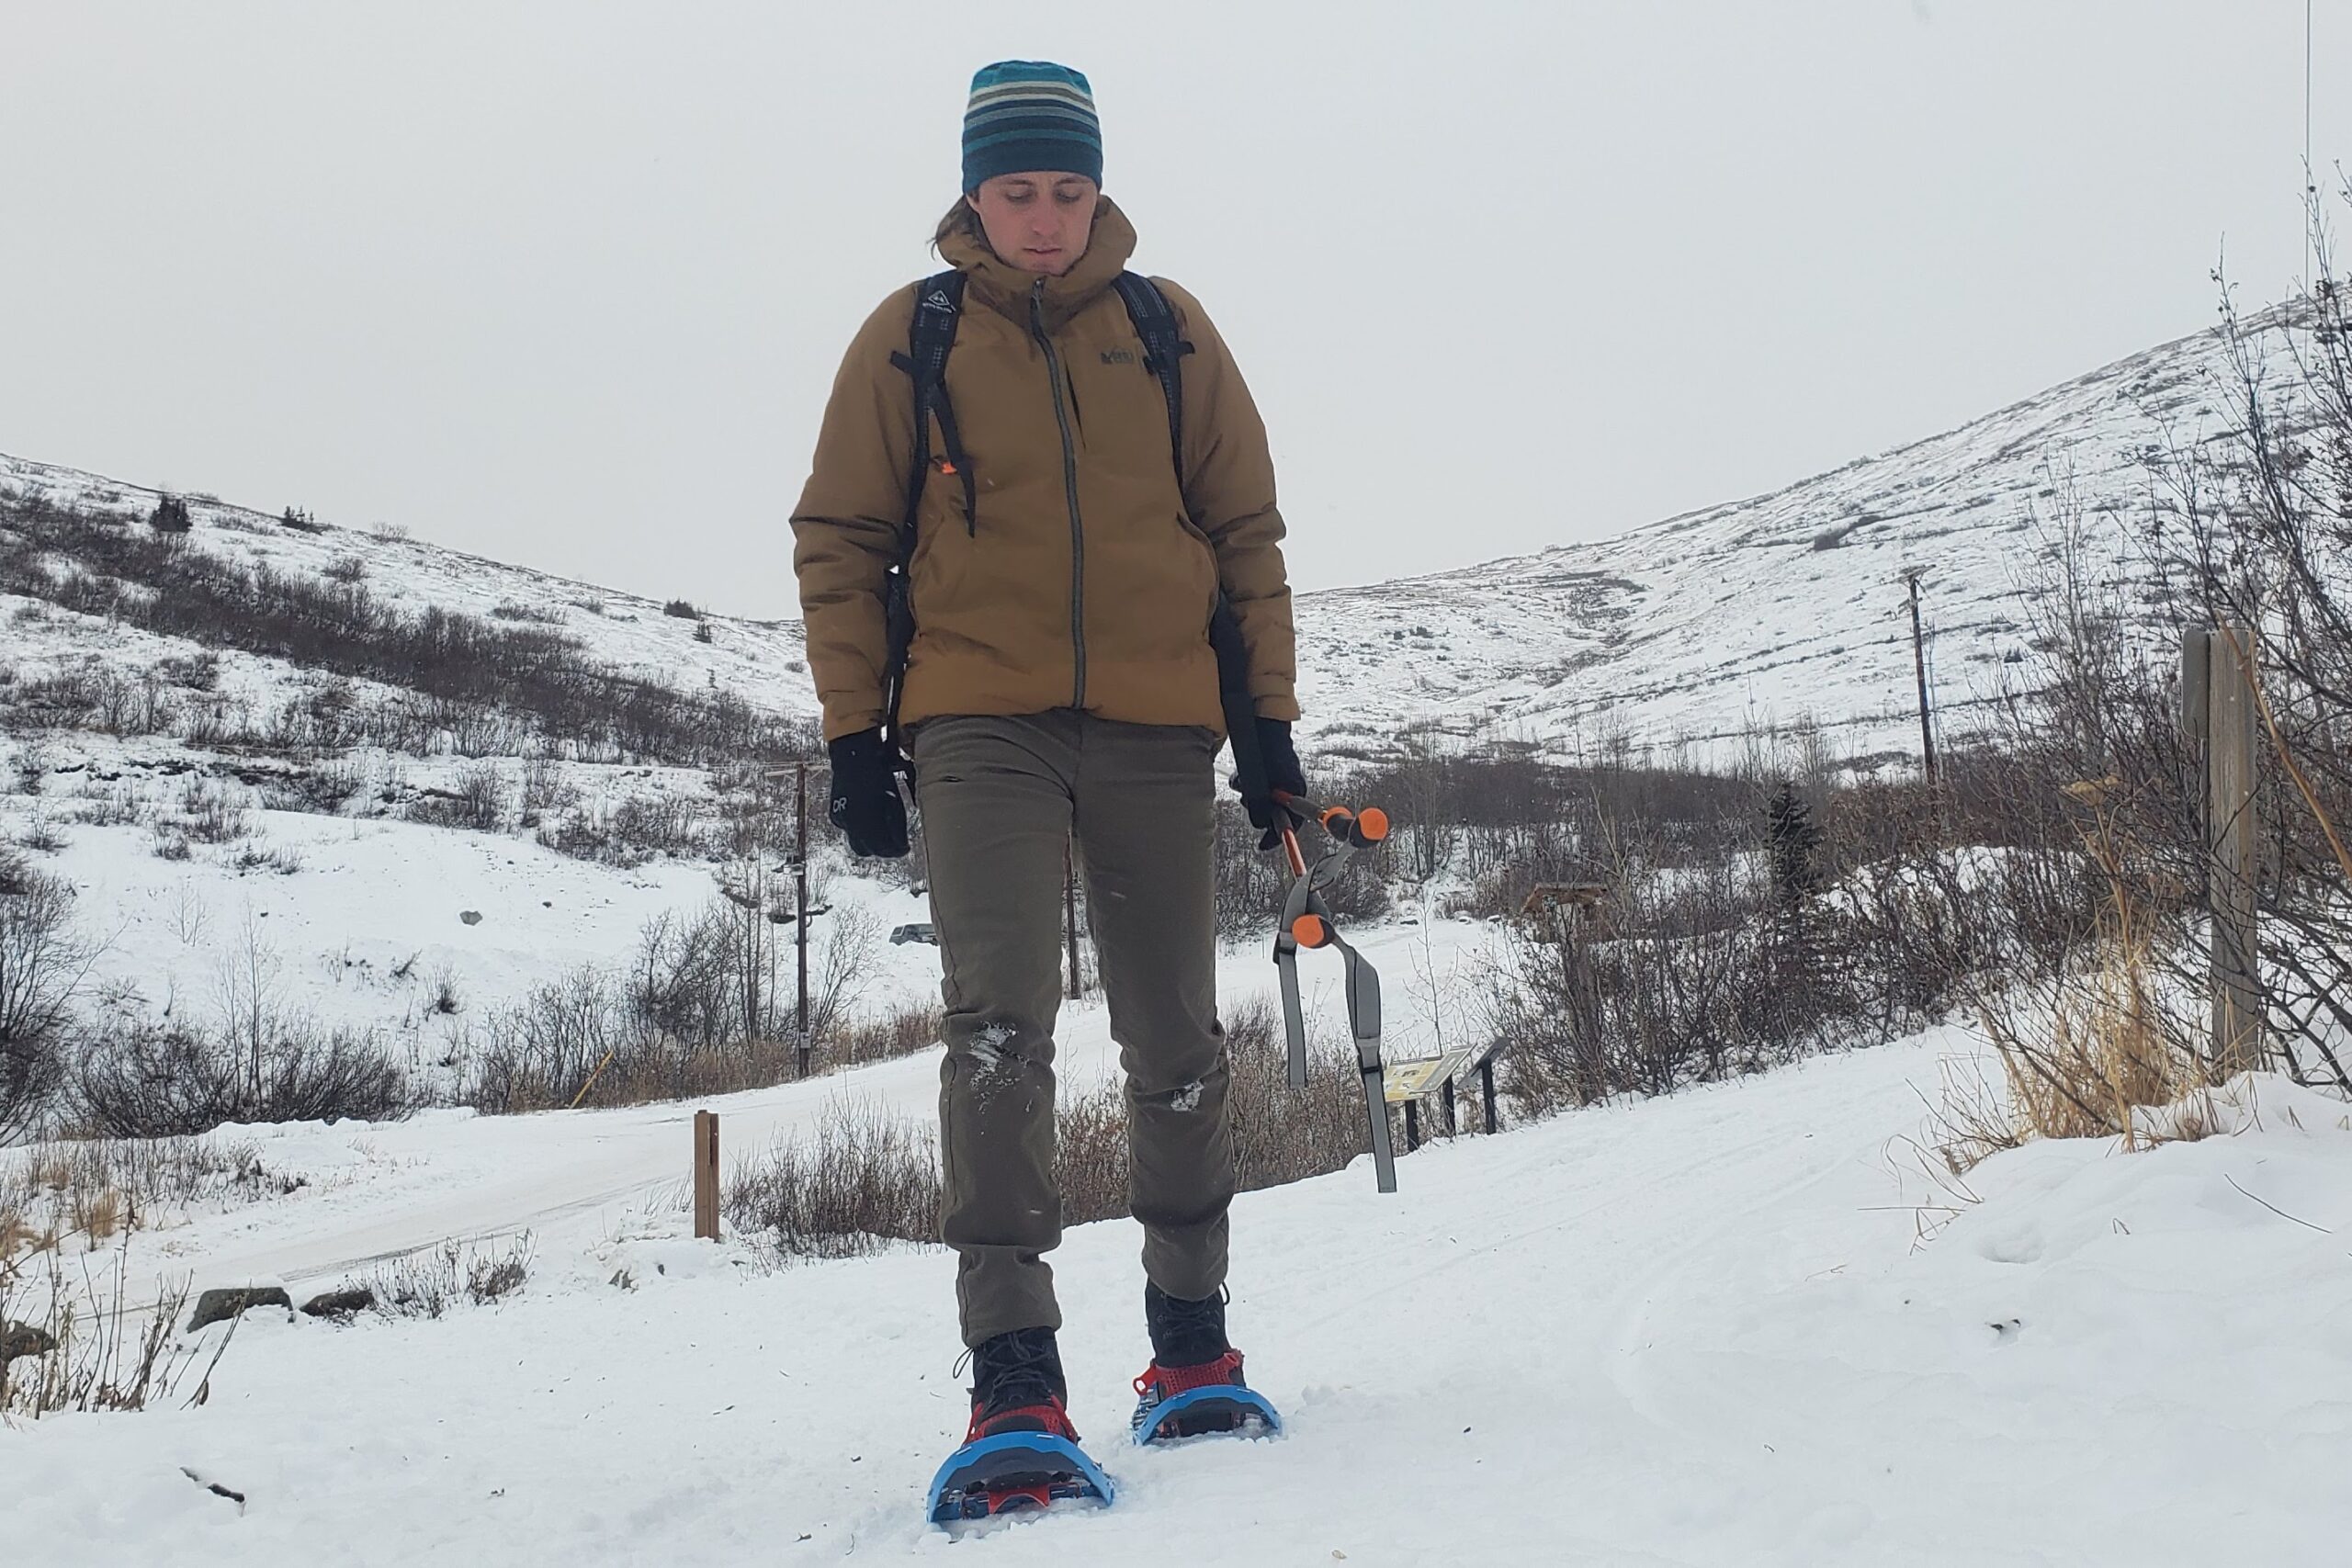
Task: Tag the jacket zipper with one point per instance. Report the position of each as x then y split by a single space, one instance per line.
1069 488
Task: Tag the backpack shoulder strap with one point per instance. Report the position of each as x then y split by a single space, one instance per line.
1163 351
939 305
1163 355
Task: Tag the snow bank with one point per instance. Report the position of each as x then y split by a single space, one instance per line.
1698 1330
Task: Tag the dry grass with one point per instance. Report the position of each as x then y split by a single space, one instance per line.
2090 1054
111 1352
429 1283
98 1188
862 1179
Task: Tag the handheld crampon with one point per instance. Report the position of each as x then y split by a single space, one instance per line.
1307 923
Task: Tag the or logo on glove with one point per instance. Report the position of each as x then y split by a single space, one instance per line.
867 806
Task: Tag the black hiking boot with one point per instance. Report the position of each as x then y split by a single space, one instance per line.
1193 1386
1020 1452
1017 1386
1185 1333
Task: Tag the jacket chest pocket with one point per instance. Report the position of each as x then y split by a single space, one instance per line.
1126 414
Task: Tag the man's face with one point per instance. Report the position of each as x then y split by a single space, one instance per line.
1039 222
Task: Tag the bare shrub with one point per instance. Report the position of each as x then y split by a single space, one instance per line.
2086 1055
629 832
43 966
277 860
92 1187
477 801
544 789
112 1352
900 1030
211 812
456 1273
861 1178
117 806
700 1010
123 703
321 790
160 1080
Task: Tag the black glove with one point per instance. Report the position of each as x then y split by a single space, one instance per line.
866 805
1277 772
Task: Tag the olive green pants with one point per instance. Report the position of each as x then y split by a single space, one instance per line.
1000 799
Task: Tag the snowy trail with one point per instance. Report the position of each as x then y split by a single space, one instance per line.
576 1179
1698 1330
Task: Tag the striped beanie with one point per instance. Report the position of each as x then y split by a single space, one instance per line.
1030 114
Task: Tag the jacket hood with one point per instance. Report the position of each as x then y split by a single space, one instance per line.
1006 287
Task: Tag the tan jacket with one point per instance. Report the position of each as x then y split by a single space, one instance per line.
1086 577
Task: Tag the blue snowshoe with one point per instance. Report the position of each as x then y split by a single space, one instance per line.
1176 1403
1019 1453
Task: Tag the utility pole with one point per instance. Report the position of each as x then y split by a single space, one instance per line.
1070 913
1920 664
800 917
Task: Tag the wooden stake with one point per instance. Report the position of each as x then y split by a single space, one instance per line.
707 1175
2229 834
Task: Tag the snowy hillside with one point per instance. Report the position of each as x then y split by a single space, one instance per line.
759 661
1785 607
1758 613
1734 1327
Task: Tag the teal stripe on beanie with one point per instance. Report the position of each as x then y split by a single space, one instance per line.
1030 114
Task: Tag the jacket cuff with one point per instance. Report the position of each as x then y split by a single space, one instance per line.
839 724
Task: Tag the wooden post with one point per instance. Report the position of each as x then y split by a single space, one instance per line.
1486 1087
1412 1126
1919 663
1070 913
800 921
2229 824
1452 1124
707 1175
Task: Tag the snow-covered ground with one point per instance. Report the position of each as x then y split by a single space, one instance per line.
1726 1326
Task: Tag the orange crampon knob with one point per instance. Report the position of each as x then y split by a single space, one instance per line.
1308 930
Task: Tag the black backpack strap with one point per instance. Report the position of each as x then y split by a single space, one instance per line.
1163 351
1163 355
939 305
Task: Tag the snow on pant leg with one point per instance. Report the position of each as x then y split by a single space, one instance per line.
1146 825
995 798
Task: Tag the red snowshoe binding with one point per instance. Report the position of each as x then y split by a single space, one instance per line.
1193 1386
1020 1452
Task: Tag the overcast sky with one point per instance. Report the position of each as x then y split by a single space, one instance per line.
565 282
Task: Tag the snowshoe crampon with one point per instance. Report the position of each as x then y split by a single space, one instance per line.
1014 1473
1199 1401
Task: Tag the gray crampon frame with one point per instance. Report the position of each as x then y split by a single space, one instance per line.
1344 835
